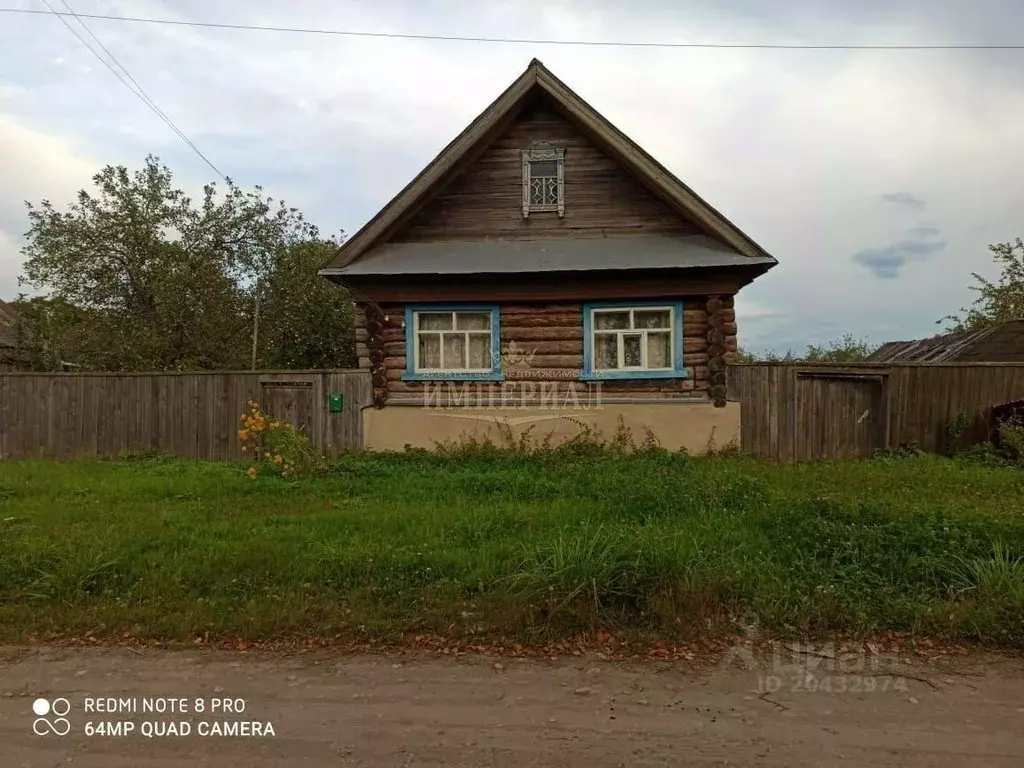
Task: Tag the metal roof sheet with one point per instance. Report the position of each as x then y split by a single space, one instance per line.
562 255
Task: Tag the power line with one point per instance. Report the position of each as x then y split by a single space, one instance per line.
140 92
533 41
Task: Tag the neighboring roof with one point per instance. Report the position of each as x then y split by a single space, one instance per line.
8 325
561 255
675 193
948 347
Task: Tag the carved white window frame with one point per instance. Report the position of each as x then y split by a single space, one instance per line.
542 151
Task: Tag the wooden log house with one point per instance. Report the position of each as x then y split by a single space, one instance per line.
545 270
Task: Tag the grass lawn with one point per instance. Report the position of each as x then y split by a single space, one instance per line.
516 546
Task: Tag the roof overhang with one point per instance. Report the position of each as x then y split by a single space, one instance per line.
546 287
544 256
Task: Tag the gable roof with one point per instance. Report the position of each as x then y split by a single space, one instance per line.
483 129
947 347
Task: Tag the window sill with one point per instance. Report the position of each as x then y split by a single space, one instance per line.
452 376
625 375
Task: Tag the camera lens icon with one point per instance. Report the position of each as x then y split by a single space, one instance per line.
59 725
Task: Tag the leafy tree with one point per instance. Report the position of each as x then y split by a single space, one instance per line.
157 281
846 349
997 301
307 322
746 356
771 356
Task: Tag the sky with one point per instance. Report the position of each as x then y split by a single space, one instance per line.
877 178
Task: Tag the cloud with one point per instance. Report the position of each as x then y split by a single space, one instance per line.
887 262
36 165
10 266
751 310
904 198
799 148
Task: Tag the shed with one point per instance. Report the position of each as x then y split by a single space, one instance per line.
1000 343
10 352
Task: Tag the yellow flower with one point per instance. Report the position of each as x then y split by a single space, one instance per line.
243 434
278 459
251 473
245 448
244 417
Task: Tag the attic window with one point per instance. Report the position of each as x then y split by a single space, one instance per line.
543 179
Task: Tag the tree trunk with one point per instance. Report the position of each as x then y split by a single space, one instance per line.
255 326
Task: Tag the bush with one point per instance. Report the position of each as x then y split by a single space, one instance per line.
1011 439
277 446
956 431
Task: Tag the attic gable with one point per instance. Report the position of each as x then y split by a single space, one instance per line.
412 208
600 196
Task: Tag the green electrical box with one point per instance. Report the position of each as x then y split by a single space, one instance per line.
335 403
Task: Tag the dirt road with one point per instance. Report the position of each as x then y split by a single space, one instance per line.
415 711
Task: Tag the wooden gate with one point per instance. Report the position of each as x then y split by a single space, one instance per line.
843 415
292 400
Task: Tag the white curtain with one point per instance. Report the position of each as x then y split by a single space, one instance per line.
606 351
659 350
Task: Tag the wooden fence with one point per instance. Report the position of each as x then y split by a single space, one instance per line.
197 415
807 411
788 411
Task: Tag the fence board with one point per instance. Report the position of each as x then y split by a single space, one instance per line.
196 415
918 402
5 409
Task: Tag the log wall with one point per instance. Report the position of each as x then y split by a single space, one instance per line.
552 335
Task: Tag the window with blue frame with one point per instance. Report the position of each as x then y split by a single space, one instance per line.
452 342
633 341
